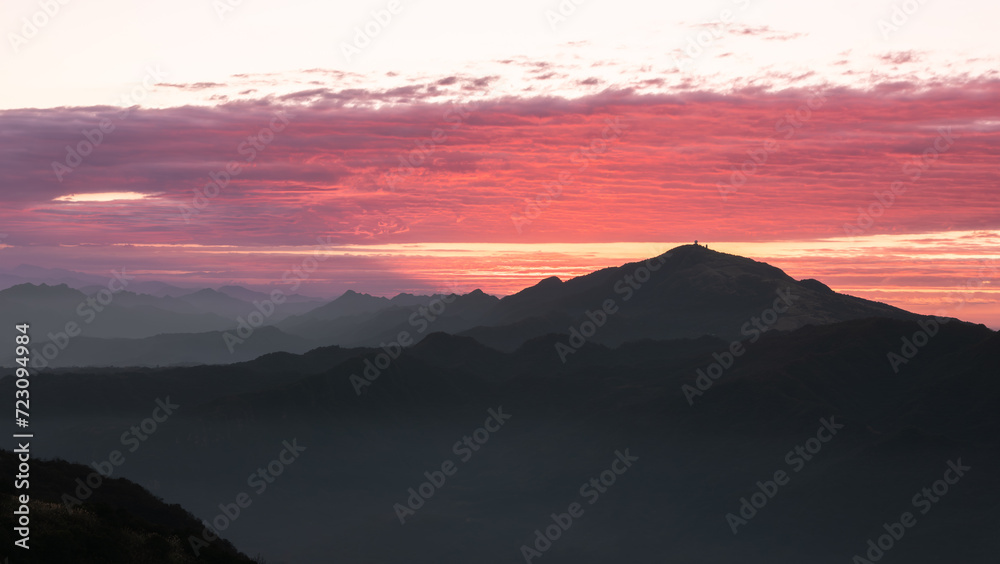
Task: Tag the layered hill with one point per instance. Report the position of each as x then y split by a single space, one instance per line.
687 292
698 454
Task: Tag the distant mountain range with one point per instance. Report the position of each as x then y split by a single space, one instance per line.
689 291
29 274
896 433
719 375
98 326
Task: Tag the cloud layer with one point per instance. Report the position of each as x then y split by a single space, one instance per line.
392 166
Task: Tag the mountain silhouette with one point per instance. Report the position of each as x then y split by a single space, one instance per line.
688 291
696 458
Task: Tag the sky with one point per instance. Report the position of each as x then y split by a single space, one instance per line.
423 145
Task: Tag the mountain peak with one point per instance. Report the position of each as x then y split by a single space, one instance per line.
350 303
208 293
351 296
688 291
687 256
29 290
696 251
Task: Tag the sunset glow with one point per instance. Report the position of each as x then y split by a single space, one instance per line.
827 144
101 197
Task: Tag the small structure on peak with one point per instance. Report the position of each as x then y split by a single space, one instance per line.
695 242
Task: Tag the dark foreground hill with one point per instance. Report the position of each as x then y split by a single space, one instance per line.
117 522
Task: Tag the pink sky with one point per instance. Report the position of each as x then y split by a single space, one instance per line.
494 146
634 168
667 176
